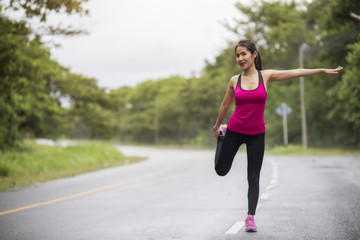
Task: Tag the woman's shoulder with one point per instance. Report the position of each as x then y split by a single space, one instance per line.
267 73
234 78
233 81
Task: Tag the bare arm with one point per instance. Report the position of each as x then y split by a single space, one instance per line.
275 75
224 107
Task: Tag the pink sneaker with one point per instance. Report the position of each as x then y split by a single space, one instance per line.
250 224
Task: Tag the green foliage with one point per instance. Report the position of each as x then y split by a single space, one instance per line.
183 110
13 104
35 159
298 150
42 9
24 95
341 29
90 114
349 89
34 163
33 87
279 28
342 32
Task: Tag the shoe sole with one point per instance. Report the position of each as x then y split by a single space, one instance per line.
250 230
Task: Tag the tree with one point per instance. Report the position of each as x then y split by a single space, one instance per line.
340 46
27 100
349 91
42 9
14 94
91 109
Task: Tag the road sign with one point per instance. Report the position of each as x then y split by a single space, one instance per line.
283 107
284 110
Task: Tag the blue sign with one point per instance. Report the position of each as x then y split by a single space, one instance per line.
283 108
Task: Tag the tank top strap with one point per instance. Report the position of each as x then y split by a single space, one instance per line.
260 77
239 80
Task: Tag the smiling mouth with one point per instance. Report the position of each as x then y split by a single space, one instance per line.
242 64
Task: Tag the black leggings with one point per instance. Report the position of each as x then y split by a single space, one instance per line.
255 146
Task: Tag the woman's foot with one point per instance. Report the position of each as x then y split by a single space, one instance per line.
250 224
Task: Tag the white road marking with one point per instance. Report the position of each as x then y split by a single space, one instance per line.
273 181
274 175
264 196
238 225
235 228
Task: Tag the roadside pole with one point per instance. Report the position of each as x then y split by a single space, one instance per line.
284 110
284 115
302 98
156 122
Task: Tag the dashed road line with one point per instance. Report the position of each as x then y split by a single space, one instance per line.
235 228
258 206
238 225
264 196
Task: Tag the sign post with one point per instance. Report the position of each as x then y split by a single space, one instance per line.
284 110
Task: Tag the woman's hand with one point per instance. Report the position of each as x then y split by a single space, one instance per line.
333 71
216 131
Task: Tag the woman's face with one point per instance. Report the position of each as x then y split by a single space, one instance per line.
244 57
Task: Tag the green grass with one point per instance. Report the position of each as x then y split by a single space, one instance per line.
297 150
290 150
34 163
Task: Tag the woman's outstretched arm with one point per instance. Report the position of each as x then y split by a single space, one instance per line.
278 75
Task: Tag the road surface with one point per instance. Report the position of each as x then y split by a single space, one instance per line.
175 194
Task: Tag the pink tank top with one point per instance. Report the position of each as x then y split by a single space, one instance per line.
248 117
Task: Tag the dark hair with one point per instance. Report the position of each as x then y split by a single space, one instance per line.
249 45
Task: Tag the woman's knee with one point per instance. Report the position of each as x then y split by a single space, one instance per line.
221 171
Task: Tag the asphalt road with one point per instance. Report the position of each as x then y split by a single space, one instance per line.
175 194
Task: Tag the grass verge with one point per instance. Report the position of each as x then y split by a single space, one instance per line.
34 163
297 150
290 150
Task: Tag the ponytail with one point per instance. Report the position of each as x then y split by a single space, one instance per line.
258 64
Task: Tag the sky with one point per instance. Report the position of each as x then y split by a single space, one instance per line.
132 41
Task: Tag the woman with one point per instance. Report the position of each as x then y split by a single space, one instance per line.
247 124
